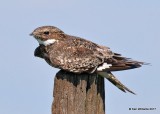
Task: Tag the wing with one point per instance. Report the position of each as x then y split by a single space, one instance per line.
115 81
40 52
75 55
117 62
122 63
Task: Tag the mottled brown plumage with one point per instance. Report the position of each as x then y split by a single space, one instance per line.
78 55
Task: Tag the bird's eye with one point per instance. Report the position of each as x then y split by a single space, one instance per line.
46 32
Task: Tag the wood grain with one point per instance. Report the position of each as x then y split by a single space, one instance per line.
78 94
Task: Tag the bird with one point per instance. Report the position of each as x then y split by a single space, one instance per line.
78 55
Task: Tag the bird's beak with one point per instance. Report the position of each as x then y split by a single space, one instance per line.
31 34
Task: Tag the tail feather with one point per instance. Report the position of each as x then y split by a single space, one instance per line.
115 81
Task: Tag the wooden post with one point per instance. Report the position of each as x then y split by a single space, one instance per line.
78 94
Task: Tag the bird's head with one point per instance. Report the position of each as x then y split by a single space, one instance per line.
47 35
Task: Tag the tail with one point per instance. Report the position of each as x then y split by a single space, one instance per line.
115 81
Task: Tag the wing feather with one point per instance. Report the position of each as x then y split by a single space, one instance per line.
75 55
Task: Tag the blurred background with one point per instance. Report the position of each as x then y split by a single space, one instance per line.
129 27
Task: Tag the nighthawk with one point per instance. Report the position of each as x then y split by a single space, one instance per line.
78 55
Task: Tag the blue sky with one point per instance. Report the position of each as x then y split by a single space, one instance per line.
129 27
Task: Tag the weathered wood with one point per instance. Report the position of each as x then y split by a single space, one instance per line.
78 94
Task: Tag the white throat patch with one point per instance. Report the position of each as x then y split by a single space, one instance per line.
47 42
